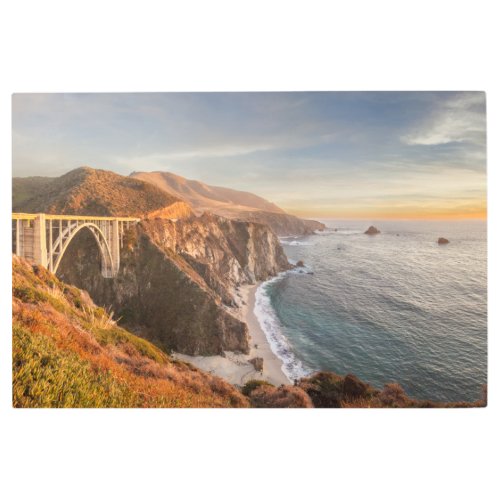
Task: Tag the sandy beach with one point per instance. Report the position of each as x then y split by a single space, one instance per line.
236 368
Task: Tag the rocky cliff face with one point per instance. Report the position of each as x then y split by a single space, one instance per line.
177 279
283 224
225 253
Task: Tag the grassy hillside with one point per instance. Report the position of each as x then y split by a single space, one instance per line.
67 352
25 188
86 191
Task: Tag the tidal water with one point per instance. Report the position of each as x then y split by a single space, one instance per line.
395 307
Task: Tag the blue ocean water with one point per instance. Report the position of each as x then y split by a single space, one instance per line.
392 307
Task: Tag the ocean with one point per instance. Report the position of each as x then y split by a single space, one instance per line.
395 307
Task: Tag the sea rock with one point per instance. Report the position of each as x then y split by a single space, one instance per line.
372 230
258 363
300 263
443 241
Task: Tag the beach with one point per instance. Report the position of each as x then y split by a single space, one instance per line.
236 368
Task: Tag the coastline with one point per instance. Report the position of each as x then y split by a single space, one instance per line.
236 368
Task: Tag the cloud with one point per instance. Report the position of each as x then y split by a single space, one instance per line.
458 119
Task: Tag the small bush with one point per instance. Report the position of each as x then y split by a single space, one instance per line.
285 396
252 385
27 294
394 396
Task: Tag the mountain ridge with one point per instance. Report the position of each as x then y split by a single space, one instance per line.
230 203
202 196
88 191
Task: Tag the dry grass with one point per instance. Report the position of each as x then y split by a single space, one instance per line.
285 396
67 353
99 318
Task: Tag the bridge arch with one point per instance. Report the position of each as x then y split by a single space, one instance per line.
107 265
44 238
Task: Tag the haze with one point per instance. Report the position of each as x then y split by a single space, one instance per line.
315 154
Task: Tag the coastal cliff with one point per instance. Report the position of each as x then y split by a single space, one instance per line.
283 224
179 273
177 279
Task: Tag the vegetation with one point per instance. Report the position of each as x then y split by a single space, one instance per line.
87 191
329 390
67 352
265 395
253 384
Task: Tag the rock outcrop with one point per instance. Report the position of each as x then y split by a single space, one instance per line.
282 224
330 390
443 241
258 363
372 230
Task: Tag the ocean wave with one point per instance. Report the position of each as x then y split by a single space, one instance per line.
292 367
296 243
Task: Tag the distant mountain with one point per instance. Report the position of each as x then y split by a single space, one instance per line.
86 191
203 197
229 203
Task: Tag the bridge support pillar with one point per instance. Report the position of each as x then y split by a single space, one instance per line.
40 241
115 245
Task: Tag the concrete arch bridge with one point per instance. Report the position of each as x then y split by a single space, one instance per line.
43 239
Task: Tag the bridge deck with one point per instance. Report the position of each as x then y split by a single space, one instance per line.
23 216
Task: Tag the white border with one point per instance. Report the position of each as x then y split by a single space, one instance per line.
226 45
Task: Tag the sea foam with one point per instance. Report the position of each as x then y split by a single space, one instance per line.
292 367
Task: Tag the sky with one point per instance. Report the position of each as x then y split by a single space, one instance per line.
370 155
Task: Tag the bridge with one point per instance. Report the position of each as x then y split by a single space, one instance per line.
42 238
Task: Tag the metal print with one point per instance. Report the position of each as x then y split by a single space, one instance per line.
268 250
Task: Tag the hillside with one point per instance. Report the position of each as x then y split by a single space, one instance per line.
86 191
230 203
67 352
203 197
25 188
